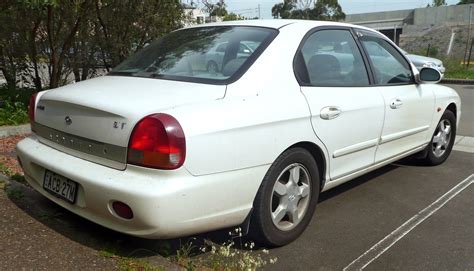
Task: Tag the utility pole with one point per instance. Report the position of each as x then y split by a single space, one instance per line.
469 34
259 12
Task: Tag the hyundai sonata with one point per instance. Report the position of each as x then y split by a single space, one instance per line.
164 147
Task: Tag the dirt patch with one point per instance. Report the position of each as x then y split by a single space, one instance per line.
28 243
8 163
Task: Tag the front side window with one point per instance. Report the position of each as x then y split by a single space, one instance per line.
331 58
207 54
388 65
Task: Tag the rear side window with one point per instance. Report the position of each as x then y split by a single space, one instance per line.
331 58
388 65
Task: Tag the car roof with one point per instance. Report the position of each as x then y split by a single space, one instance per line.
278 23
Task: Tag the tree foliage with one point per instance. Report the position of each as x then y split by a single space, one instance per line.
462 2
437 3
215 9
77 36
325 10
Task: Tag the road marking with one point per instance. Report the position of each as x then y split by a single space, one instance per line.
383 245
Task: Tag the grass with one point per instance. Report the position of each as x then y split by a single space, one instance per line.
15 193
19 178
233 254
455 70
198 254
460 74
127 263
14 106
5 170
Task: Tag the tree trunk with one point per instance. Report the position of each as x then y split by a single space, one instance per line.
34 56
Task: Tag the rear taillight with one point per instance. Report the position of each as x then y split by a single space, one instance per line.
31 109
157 141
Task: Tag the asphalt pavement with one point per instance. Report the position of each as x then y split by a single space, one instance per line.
384 220
369 222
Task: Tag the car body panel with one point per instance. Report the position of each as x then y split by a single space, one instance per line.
351 138
166 204
406 125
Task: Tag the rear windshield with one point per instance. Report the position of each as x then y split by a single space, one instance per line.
215 55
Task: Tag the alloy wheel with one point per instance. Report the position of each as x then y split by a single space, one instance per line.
290 197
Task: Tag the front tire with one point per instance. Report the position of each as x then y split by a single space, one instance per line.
442 141
286 199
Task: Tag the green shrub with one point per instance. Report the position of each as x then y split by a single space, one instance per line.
14 106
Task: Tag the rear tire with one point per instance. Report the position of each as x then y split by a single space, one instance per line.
442 141
286 199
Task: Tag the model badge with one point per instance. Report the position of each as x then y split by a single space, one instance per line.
68 120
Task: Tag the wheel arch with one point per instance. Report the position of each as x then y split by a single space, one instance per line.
318 156
453 108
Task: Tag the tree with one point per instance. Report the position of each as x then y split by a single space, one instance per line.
232 17
140 23
329 10
283 10
12 46
437 3
217 9
64 36
462 2
326 10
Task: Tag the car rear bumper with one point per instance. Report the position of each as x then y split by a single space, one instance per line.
166 204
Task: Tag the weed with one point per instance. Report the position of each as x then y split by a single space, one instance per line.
227 256
2 185
15 193
455 69
126 263
49 216
18 178
13 112
5 170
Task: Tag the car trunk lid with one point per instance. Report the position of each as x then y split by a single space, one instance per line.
94 119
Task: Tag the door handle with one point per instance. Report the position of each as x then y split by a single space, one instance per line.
330 112
396 103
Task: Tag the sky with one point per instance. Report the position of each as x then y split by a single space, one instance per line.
249 8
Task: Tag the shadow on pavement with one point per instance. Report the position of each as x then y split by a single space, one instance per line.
107 241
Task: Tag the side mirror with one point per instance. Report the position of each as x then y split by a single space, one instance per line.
429 76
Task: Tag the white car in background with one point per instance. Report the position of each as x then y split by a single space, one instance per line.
421 62
161 149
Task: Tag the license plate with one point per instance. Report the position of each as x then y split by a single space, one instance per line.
60 186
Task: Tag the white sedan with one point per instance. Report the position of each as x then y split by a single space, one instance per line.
161 147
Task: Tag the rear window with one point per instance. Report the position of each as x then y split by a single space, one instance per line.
215 55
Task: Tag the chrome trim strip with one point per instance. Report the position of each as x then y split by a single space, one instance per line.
395 136
81 144
355 148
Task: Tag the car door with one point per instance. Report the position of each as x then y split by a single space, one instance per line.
346 113
409 107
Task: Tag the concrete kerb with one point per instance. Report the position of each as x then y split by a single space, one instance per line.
14 130
457 81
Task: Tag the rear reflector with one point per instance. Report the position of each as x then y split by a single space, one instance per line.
122 210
